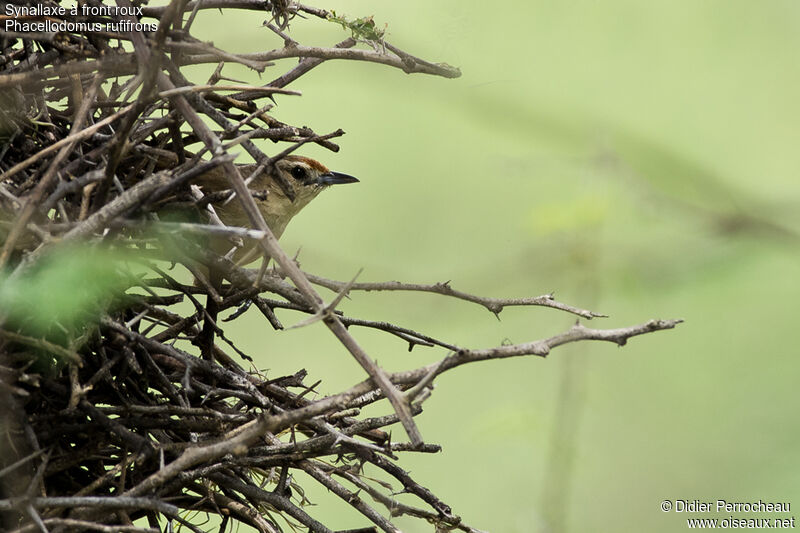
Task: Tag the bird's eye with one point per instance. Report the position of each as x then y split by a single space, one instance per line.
299 173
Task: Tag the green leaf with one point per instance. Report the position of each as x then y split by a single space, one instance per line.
66 291
362 28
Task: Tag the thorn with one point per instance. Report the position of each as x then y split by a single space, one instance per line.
329 309
262 270
345 290
316 317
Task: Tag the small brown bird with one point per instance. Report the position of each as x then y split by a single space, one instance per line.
307 178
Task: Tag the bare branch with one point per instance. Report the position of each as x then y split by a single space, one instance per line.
407 63
494 305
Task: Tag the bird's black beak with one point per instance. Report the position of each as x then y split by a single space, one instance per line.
335 178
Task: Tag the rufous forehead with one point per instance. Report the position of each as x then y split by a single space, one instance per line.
312 163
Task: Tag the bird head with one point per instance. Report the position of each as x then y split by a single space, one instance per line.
306 177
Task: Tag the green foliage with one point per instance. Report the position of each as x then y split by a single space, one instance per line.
362 28
61 297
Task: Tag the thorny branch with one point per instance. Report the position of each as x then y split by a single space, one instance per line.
110 413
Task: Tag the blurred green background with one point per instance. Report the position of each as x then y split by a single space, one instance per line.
637 158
